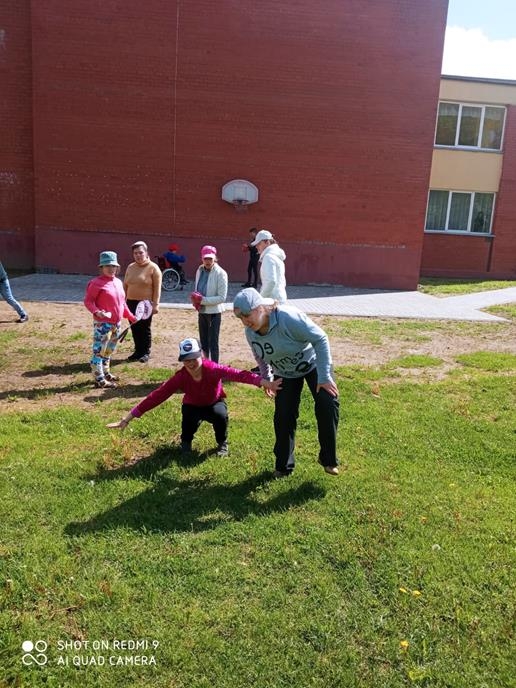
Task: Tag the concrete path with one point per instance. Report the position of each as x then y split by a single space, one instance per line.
315 300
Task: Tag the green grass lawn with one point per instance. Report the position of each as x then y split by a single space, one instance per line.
400 572
440 286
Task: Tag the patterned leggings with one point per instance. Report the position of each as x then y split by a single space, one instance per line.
105 339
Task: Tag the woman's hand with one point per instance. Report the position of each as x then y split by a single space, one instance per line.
330 387
196 299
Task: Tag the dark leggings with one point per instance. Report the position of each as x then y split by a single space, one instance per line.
285 421
252 272
209 329
217 415
141 331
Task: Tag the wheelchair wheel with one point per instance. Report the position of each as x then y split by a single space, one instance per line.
171 279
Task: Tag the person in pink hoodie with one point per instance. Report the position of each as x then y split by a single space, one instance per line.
105 299
200 380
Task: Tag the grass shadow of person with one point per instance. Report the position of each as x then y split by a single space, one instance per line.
195 505
129 391
146 467
36 393
65 369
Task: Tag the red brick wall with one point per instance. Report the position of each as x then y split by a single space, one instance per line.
16 165
144 110
504 244
456 255
476 256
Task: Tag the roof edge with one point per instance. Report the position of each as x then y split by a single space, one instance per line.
480 79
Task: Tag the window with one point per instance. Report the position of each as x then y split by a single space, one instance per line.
470 126
459 211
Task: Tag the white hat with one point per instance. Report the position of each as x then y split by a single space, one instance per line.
189 348
263 235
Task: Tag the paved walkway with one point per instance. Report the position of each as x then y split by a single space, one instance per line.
315 300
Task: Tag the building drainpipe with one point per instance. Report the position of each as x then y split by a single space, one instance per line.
490 252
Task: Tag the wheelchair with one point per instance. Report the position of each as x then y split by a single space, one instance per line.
172 279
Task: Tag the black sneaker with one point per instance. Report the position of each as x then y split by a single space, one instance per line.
23 318
223 449
144 358
132 357
280 474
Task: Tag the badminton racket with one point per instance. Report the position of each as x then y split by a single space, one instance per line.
143 311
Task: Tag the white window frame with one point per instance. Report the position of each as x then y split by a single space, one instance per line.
462 232
480 129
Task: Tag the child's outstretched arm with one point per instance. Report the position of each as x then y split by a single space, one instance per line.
123 423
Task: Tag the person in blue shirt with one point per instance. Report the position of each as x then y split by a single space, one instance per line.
287 344
6 293
175 260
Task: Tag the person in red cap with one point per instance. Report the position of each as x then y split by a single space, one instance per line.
210 293
175 260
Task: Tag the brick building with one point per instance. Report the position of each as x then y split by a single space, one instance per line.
124 121
470 228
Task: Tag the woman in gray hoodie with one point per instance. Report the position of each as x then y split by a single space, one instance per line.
287 344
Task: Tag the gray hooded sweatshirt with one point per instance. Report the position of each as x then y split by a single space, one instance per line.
293 346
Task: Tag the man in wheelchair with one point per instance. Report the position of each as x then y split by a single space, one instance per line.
173 259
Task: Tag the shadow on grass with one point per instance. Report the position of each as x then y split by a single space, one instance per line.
146 467
65 369
172 505
122 391
130 391
43 392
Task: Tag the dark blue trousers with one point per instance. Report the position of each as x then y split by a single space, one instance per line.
209 329
193 416
286 413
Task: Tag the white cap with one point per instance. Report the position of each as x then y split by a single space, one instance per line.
189 348
263 235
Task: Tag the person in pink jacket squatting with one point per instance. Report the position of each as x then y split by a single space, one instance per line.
105 299
204 397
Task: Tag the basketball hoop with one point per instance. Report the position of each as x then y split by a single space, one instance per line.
240 205
240 193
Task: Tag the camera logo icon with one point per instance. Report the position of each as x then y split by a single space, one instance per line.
40 648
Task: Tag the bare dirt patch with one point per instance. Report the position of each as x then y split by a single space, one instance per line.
45 361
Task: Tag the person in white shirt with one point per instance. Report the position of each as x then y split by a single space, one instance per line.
208 298
272 267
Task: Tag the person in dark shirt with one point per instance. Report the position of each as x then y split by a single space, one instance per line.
252 267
